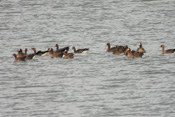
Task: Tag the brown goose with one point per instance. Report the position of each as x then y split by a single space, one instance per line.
20 53
30 56
61 49
85 50
109 49
141 49
54 54
129 53
167 51
17 59
68 55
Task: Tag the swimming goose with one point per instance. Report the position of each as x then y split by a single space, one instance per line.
141 49
30 56
54 54
85 50
167 51
109 49
68 55
20 53
17 59
61 49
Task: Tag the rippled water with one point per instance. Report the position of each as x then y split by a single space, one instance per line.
95 84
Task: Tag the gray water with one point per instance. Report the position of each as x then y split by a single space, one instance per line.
94 84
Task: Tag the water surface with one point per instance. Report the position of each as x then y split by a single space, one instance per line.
95 84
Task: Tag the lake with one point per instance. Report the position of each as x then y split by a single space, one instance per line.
93 84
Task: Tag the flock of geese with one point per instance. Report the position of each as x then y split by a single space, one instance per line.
132 53
58 53
127 51
63 52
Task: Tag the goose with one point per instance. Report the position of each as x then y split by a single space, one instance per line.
166 51
29 56
61 49
85 50
17 59
141 49
68 55
55 55
109 49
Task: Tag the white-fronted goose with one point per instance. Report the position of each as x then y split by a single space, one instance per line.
68 55
85 50
167 51
19 58
61 49
109 49
30 56
20 53
141 49
54 54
